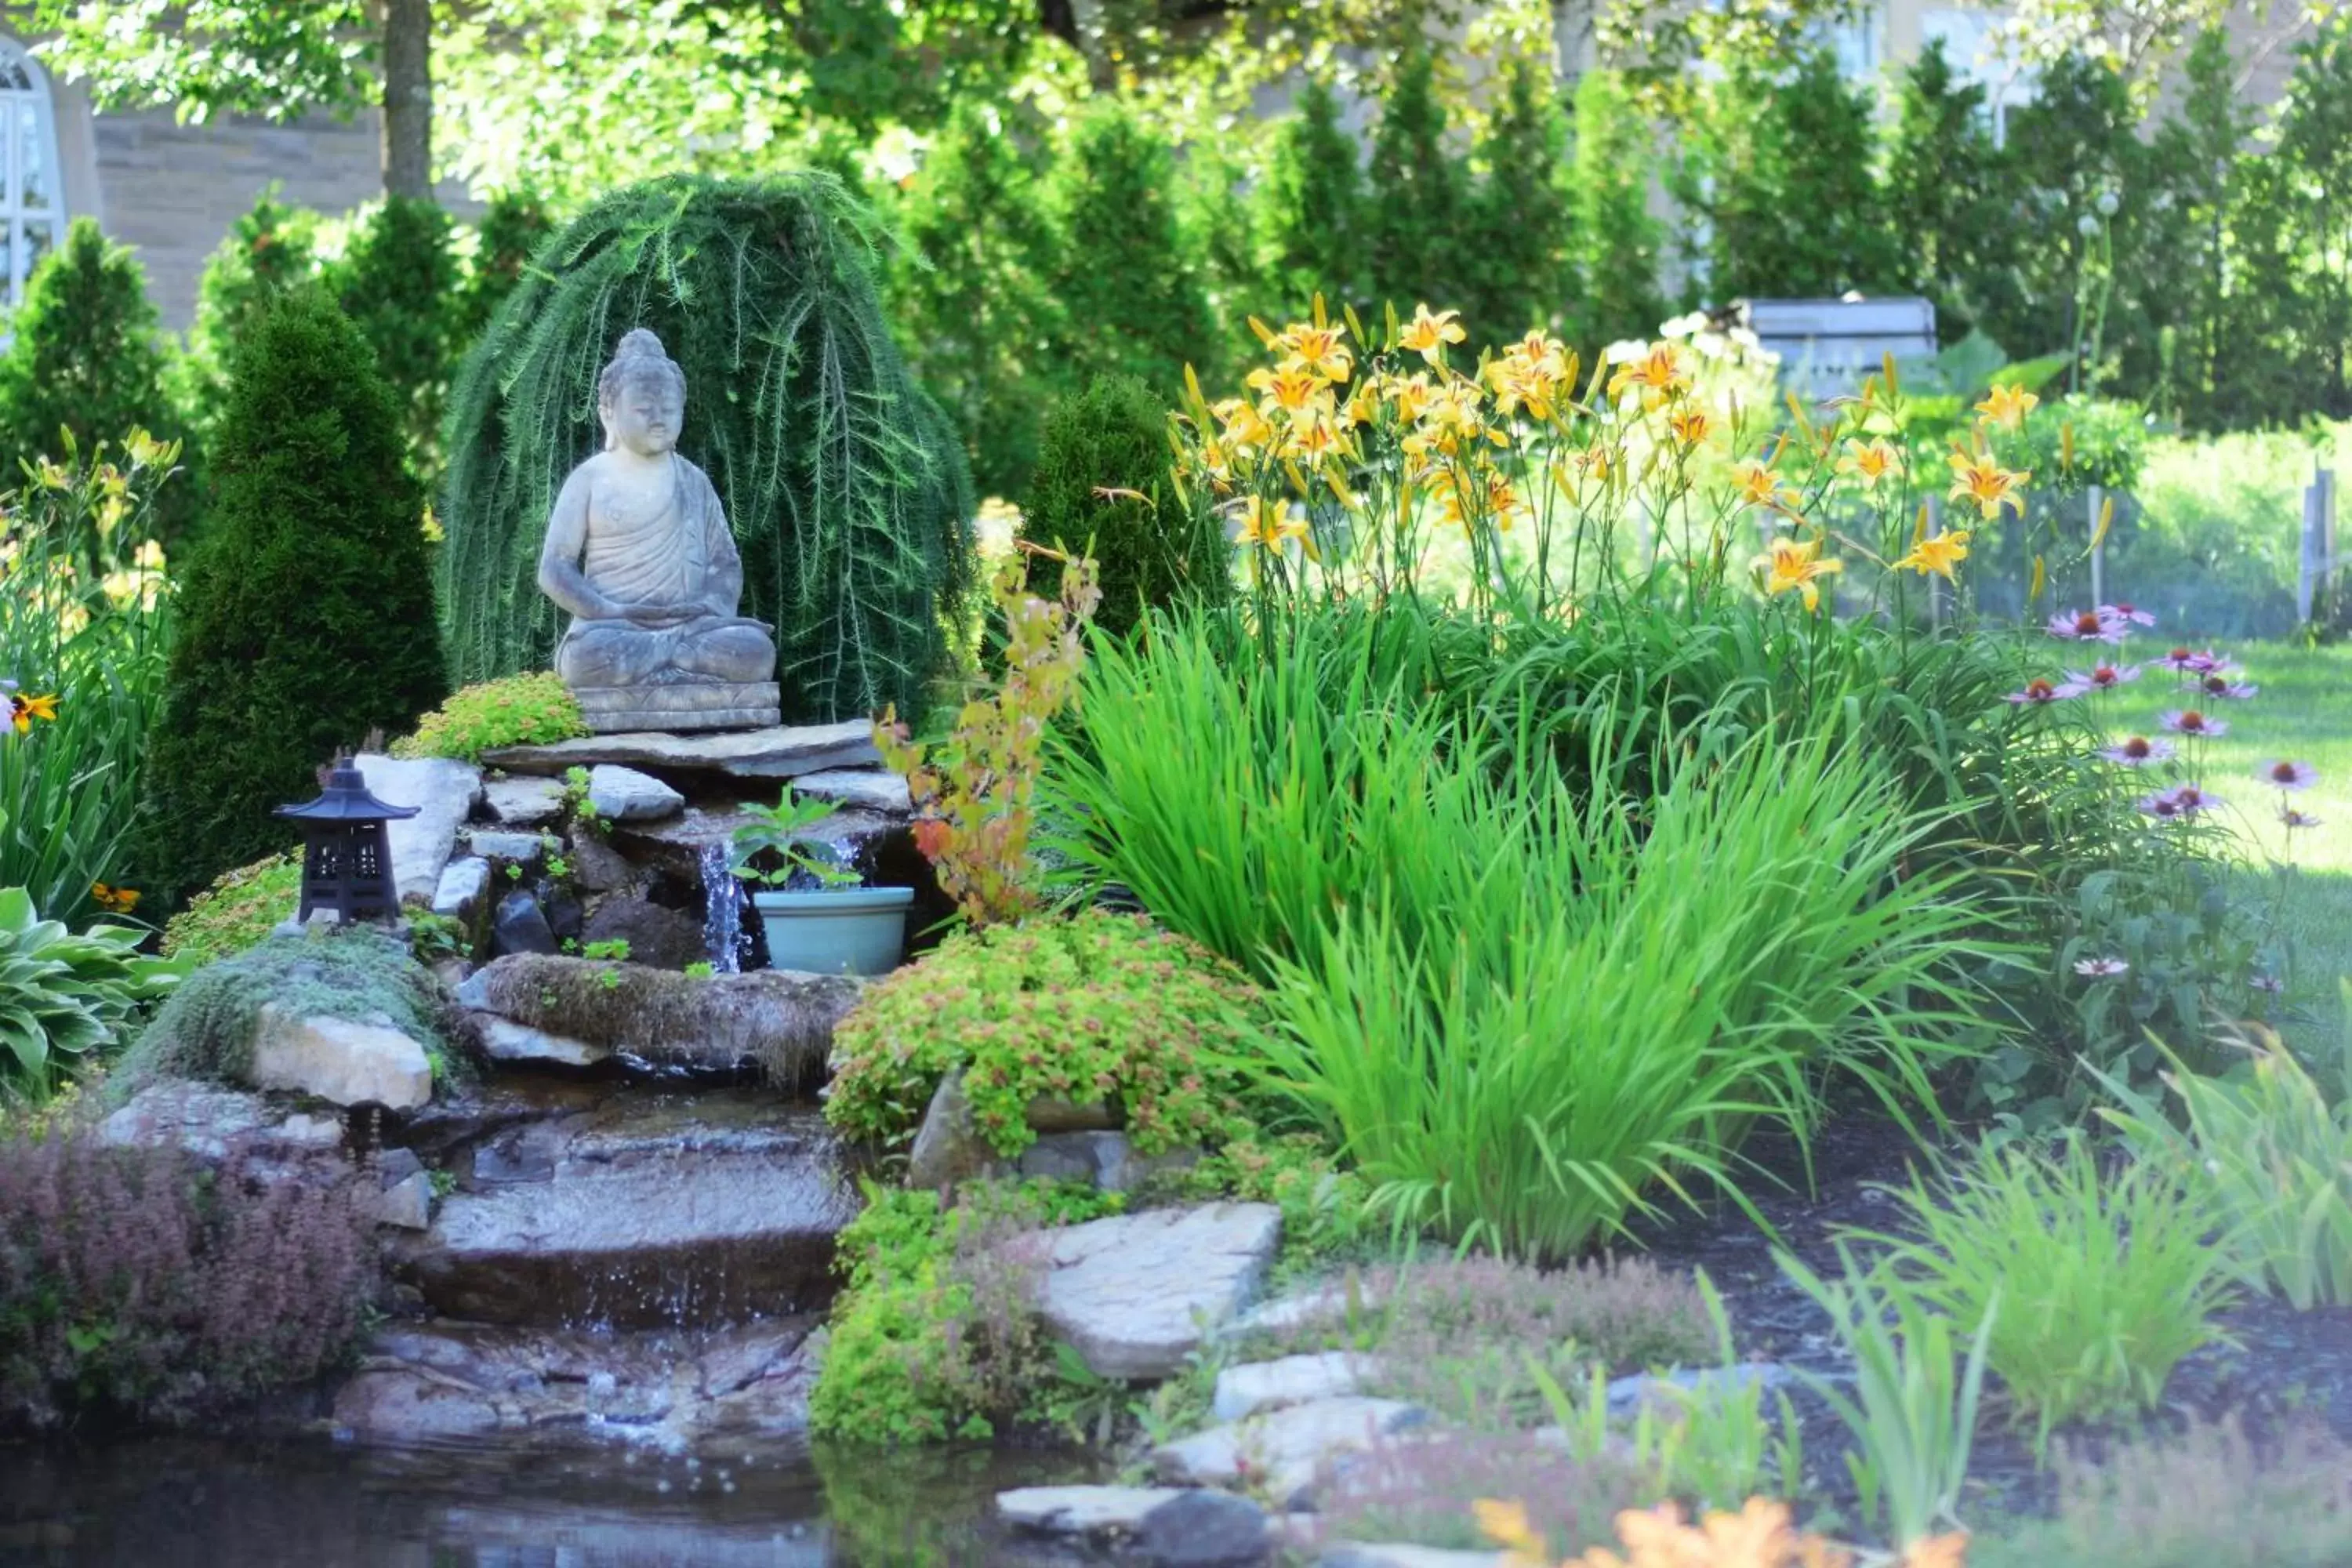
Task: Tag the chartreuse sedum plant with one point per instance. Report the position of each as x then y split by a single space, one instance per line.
1373 465
1911 1406
2270 1156
532 709
2105 1278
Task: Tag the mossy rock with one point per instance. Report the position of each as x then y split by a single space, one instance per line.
780 1020
366 976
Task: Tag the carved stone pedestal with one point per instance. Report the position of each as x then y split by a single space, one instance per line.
680 708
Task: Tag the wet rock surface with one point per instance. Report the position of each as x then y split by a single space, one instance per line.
433 1382
654 1209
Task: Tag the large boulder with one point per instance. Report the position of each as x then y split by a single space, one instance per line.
782 1020
445 793
340 1061
1134 1294
624 794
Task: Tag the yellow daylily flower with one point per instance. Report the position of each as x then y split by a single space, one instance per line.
1265 524
1979 480
54 475
1796 565
1289 390
1318 349
1506 1525
1657 375
1315 437
1363 404
1939 555
146 452
1427 335
2007 405
1246 428
1411 395
1869 461
1690 424
1758 484
114 900
1517 386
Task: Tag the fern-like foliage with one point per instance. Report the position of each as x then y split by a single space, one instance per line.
844 484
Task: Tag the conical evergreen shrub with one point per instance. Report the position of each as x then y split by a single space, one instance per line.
1102 489
1313 201
399 285
270 248
1129 286
88 354
305 613
844 484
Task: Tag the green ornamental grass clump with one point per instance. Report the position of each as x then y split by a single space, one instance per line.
1102 491
239 910
533 709
1102 1007
306 618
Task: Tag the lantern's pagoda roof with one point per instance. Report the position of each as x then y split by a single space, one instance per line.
346 799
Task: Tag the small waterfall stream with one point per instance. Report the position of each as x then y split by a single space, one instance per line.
723 916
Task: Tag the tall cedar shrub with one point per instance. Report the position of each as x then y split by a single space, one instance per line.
306 614
1516 242
1614 236
1219 225
2199 178
399 285
87 356
1417 196
971 294
2314 183
1102 489
269 249
844 484
1312 209
1129 284
1946 194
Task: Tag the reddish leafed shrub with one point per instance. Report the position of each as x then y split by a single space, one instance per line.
138 1285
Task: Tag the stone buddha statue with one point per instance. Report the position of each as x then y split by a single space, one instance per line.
638 550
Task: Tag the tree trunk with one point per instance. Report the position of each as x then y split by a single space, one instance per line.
408 98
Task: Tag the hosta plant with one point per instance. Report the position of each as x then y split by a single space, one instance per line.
64 997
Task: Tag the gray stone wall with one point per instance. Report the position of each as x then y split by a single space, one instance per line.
172 190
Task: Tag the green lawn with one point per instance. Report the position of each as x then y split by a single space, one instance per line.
2304 713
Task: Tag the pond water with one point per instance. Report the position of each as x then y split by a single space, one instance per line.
314 1504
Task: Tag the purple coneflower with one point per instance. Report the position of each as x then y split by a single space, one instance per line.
2188 721
2191 799
2040 690
2087 625
2211 663
2104 677
2131 613
2100 968
2174 804
2138 752
2268 984
2222 687
2284 774
2181 660
2293 819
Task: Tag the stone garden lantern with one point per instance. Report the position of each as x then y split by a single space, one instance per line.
347 848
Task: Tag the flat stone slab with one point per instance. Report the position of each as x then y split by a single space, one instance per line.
523 803
780 752
1376 1554
657 1210
1081 1510
868 789
1134 1294
680 705
1283 1452
504 1040
624 794
1245 1391
492 844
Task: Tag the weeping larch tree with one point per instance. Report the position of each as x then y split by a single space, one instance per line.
844 484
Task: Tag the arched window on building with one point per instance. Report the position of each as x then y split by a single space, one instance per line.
32 202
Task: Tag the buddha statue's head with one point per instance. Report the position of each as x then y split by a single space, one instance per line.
640 396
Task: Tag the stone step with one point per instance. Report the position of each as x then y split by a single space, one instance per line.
658 1208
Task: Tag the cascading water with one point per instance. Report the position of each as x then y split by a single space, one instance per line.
723 917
